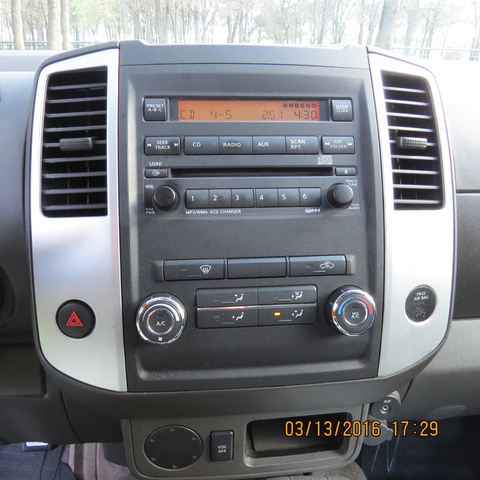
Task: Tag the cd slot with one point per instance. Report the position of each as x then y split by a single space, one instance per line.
251 172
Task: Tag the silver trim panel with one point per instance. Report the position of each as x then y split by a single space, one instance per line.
79 258
419 244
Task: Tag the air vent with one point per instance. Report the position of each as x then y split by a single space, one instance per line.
74 159
417 176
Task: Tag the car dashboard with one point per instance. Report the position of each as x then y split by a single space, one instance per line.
207 250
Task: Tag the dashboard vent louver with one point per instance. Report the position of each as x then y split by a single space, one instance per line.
417 176
74 155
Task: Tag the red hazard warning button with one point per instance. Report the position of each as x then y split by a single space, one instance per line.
75 319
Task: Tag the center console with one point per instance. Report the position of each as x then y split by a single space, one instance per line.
245 252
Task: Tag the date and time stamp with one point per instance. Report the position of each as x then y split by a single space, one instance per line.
348 428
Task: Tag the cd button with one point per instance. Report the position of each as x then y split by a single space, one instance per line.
201 146
345 171
268 145
235 145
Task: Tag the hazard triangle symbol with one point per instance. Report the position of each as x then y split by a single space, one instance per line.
74 321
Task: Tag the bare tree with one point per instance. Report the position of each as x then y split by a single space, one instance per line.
476 23
53 31
339 14
387 24
65 23
17 25
436 14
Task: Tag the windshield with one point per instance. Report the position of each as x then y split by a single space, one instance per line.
427 28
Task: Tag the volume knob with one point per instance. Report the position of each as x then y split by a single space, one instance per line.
165 198
350 310
340 195
161 318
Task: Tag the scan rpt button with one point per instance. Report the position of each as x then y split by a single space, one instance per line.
208 269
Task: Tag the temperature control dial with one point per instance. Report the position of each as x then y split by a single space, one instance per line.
350 310
161 318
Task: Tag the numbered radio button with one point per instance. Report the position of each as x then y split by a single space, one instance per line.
288 197
242 197
220 198
266 197
310 197
197 199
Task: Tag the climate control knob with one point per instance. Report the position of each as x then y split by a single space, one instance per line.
340 195
165 198
161 318
350 310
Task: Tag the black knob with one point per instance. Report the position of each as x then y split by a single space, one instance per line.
165 198
161 318
340 195
350 310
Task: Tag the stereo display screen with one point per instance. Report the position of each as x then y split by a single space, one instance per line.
248 110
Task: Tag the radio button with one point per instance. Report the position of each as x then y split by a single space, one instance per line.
266 197
343 145
194 269
318 266
310 197
227 317
268 145
342 110
291 315
235 145
220 198
201 146
288 197
302 145
197 199
162 146
154 109
257 267
287 295
242 197
226 297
